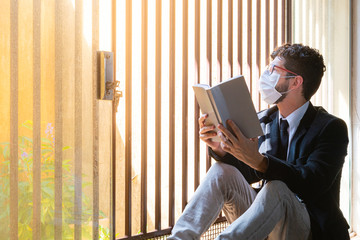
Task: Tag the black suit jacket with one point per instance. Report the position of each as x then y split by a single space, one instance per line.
312 170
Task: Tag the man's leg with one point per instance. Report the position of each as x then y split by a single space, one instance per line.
275 212
223 184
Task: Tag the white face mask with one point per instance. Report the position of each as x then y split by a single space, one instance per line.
267 87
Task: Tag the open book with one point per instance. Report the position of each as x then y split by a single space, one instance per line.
229 100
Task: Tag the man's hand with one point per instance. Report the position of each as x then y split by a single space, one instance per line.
207 133
244 149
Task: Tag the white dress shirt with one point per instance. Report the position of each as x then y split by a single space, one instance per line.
294 120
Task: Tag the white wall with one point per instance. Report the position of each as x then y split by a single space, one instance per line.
325 25
355 86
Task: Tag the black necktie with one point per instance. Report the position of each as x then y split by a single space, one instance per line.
284 139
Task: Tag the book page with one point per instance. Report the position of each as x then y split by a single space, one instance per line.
206 106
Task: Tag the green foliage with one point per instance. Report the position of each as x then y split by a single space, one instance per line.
25 185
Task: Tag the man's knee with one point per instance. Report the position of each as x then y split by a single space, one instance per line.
224 170
224 174
277 186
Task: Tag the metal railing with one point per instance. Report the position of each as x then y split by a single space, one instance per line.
218 40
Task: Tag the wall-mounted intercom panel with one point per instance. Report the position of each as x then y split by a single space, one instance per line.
106 83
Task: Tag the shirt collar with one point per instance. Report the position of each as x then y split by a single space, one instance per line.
295 117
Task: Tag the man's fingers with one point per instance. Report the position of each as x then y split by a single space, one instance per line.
235 129
225 147
206 129
227 133
207 136
202 119
222 136
225 140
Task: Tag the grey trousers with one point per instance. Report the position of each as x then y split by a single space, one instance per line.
274 212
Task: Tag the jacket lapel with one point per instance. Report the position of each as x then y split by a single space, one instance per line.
270 125
303 127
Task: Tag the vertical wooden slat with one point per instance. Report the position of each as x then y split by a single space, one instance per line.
276 24
283 21
25 111
144 110
249 46
14 119
128 118
113 170
219 39
240 35
288 9
113 127
158 117
78 118
172 115
267 32
257 100
230 37
6 76
58 121
37 120
245 41
113 33
185 106
208 60
95 48
197 80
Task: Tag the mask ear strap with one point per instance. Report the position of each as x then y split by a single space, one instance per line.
282 93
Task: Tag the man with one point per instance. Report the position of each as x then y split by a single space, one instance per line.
299 160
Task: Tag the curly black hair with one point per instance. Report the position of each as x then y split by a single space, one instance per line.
305 61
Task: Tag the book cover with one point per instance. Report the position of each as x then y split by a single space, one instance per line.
229 100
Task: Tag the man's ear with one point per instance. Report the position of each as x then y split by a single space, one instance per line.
298 81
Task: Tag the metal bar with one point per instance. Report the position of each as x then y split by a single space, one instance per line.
158 117
230 37
267 32
185 106
161 233
257 101
78 118
128 118
240 35
113 128
283 21
37 120
149 235
289 21
113 33
209 60
144 110
276 24
95 106
172 115
197 80
58 120
219 39
249 45
14 82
